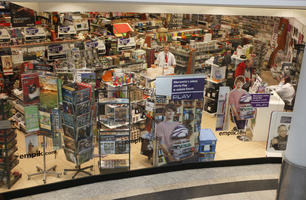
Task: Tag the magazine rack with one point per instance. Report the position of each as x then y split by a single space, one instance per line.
44 171
77 125
114 129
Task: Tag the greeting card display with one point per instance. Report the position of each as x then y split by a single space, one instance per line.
78 138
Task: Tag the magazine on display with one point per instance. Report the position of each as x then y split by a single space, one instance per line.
70 155
45 120
69 143
84 144
82 108
85 155
84 132
68 131
31 118
68 119
83 120
30 88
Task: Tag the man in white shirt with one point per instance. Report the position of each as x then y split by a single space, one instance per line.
285 90
166 59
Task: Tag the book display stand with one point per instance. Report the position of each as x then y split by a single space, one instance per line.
77 125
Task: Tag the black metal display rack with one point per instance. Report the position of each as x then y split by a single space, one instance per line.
77 125
114 123
8 148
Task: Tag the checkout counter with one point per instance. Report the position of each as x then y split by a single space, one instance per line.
260 125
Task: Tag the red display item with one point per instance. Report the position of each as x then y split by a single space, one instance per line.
31 89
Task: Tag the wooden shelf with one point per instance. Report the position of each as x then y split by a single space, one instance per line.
41 43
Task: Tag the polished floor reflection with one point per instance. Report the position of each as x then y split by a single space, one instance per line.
211 183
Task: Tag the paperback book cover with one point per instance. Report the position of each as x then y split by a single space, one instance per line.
31 142
45 120
68 107
30 88
48 92
7 65
31 118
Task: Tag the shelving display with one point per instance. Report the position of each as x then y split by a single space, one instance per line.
87 80
8 159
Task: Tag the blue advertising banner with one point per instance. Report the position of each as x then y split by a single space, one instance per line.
260 100
187 89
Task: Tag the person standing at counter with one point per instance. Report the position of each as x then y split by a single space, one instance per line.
285 90
245 69
165 58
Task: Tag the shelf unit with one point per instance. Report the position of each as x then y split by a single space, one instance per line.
114 140
211 92
8 148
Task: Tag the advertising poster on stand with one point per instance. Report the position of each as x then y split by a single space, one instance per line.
178 118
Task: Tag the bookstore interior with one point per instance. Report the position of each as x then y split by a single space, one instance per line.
89 93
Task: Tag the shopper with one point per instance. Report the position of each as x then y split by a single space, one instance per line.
234 102
280 142
164 130
165 58
245 69
285 90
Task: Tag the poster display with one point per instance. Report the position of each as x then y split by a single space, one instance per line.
278 133
178 118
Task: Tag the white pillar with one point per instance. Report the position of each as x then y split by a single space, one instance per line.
296 146
292 182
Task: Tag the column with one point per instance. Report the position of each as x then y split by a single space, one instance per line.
292 184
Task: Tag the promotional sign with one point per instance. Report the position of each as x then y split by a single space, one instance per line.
278 133
178 115
260 100
126 43
190 88
185 87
